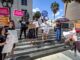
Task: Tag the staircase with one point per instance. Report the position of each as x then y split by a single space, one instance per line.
39 49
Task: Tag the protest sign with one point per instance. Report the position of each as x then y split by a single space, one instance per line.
4 20
18 12
70 33
14 33
4 11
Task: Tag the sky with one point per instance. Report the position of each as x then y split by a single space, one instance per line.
40 5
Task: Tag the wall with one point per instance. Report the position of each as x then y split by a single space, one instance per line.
73 11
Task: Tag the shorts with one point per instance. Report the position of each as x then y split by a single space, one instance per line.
46 31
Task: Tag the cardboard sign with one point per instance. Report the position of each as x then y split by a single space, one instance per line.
77 25
70 33
4 20
18 13
4 11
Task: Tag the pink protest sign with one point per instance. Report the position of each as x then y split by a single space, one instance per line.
18 13
4 11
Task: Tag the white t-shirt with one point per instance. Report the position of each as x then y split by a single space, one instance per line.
36 23
45 28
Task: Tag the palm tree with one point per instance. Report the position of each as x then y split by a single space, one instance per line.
54 8
66 1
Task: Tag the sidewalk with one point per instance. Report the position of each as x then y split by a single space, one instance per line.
66 55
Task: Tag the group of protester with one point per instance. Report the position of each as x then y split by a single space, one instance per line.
33 26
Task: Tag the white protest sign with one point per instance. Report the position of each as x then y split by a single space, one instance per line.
14 33
70 33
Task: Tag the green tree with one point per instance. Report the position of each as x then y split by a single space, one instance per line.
66 2
37 15
54 8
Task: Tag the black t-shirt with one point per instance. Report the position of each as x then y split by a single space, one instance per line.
2 40
23 23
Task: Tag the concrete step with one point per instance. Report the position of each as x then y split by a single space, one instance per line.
47 52
36 41
30 46
21 52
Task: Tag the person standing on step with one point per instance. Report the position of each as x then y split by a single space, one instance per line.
58 31
24 26
36 27
31 31
12 27
45 30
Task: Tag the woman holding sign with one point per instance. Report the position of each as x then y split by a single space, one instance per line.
31 32
12 27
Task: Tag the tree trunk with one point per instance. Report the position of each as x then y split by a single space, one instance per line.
54 16
66 9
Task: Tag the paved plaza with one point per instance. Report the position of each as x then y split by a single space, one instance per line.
66 55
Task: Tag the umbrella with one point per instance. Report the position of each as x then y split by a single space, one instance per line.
63 19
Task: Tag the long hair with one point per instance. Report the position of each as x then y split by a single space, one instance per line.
1 28
12 24
58 24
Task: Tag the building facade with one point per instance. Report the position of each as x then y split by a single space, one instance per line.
25 5
73 11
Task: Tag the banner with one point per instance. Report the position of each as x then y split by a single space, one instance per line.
18 12
4 11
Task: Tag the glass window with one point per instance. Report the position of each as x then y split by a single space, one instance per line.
65 25
25 12
24 2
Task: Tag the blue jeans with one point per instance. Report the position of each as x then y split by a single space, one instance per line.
58 35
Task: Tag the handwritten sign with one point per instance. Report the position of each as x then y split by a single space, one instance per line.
71 33
4 20
77 25
4 11
18 13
